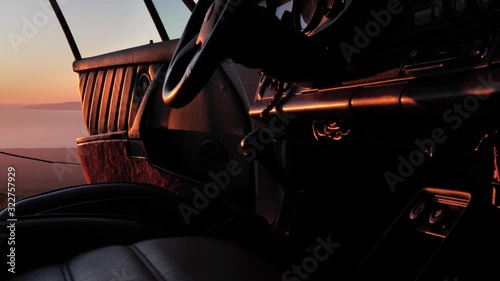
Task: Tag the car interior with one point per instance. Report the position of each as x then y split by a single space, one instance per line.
282 140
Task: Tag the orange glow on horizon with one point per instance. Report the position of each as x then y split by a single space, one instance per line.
35 68
35 58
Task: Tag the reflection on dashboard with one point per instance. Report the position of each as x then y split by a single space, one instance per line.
308 15
307 12
333 8
282 6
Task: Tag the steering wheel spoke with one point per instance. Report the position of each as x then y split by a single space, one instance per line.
208 26
197 54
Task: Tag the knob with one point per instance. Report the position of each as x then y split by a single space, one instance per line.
438 215
263 153
417 210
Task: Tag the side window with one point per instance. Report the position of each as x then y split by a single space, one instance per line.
174 15
101 27
40 110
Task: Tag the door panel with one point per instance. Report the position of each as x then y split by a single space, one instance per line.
111 96
135 137
108 85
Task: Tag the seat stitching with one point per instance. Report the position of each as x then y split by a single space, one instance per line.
66 273
147 263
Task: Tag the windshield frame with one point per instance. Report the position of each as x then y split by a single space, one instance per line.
153 12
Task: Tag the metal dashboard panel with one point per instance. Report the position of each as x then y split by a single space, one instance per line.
435 95
379 99
424 96
334 102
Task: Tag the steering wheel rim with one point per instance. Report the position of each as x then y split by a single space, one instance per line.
197 53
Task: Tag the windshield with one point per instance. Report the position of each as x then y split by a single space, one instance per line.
174 16
105 26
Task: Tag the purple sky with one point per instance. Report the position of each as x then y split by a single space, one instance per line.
35 58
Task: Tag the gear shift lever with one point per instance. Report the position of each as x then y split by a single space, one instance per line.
263 153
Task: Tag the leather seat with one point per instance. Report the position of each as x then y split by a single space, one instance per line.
130 232
172 259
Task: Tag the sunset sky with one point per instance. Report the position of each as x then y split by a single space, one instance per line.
35 59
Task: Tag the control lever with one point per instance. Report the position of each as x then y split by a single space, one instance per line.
264 154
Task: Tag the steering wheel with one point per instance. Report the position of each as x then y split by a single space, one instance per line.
220 28
198 52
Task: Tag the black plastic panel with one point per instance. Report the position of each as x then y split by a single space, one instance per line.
416 235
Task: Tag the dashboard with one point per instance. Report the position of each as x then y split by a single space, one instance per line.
428 41
374 38
312 16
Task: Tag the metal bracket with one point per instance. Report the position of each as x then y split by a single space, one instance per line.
329 130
